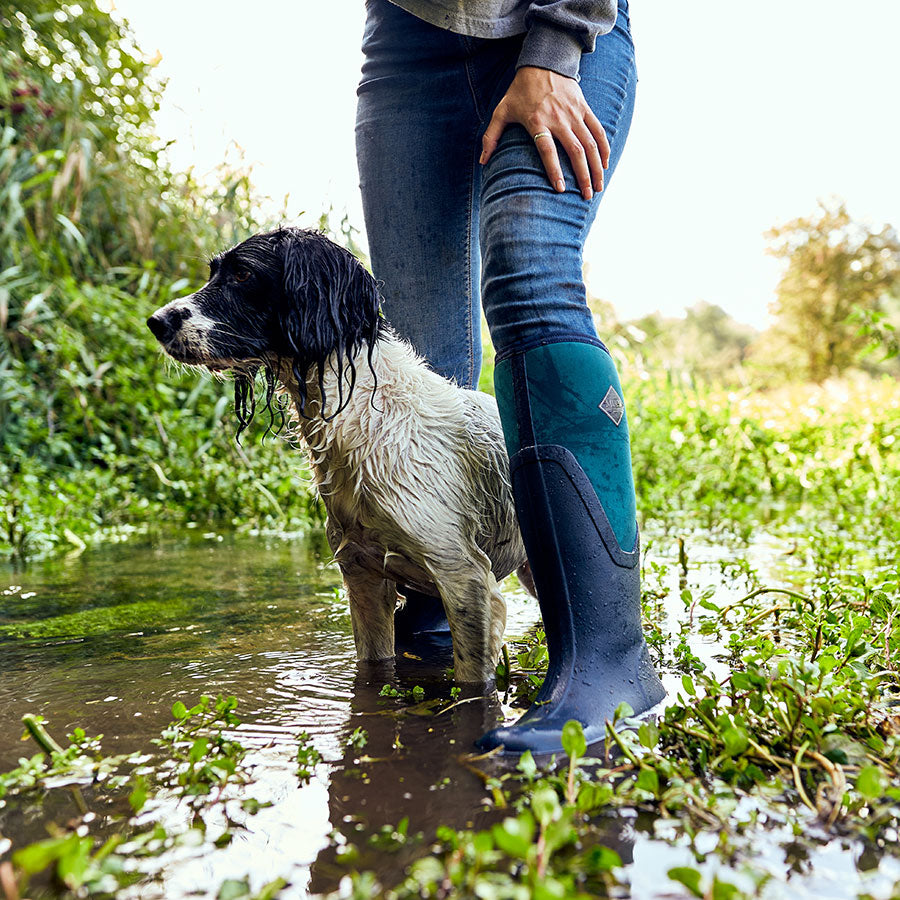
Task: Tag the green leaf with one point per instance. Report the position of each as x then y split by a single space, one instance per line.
74 860
36 857
690 878
179 710
559 833
526 765
736 741
271 890
482 842
233 889
724 890
138 796
515 836
549 889
648 735
545 804
648 780
573 740
688 684
592 796
869 782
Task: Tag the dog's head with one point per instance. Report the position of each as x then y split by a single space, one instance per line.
283 297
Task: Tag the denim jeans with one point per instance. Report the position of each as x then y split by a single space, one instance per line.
446 234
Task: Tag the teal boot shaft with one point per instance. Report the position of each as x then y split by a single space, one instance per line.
574 400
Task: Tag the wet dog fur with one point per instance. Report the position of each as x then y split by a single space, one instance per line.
412 469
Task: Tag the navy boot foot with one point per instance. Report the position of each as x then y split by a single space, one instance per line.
598 656
421 625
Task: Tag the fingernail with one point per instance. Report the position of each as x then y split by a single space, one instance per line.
588 194
560 185
482 157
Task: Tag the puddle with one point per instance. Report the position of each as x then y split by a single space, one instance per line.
109 640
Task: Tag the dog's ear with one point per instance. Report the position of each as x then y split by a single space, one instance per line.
330 305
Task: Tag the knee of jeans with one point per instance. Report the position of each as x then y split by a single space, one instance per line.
519 244
528 257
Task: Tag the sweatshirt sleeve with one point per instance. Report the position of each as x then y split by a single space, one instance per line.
559 31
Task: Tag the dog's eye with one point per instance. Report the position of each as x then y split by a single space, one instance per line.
241 275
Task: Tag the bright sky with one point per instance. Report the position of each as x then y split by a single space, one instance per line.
747 114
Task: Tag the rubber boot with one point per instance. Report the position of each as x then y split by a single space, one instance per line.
570 460
421 624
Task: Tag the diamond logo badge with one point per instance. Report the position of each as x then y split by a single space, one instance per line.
613 405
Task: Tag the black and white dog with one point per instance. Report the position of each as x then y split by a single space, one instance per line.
412 469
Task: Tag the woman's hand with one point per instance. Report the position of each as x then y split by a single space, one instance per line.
551 106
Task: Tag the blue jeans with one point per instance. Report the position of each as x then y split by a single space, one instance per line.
446 234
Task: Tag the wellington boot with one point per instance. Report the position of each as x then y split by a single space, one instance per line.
564 422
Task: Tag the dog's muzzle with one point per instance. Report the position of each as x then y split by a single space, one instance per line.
165 324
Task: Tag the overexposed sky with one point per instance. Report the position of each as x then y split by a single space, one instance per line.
747 114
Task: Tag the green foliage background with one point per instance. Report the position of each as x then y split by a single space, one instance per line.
98 431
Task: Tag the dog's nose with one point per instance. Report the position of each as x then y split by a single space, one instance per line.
164 325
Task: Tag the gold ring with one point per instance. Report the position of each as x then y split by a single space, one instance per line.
541 134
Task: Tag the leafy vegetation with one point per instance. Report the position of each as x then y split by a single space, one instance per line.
788 735
202 764
98 432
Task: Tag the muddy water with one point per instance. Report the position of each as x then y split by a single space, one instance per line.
109 640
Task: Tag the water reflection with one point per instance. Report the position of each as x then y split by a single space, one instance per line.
110 640
410 768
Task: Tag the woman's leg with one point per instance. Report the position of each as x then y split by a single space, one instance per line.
565 424
417 140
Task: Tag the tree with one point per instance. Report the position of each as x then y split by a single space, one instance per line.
838 271
706 341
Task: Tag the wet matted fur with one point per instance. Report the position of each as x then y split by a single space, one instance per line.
412 469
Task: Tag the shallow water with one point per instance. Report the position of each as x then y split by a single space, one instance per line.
110 639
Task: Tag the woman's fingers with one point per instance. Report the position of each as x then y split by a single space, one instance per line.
599 134
583 153
492 133
580 155
593 155
546 147
553 109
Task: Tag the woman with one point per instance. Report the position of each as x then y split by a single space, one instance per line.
468 201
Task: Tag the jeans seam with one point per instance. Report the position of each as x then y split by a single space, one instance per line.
470 324
470 293
478 113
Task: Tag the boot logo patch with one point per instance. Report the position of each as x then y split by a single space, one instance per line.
613 405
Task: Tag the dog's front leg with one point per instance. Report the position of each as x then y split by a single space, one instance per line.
476 612
372 603
372 598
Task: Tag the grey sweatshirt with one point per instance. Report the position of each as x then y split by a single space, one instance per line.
556 32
